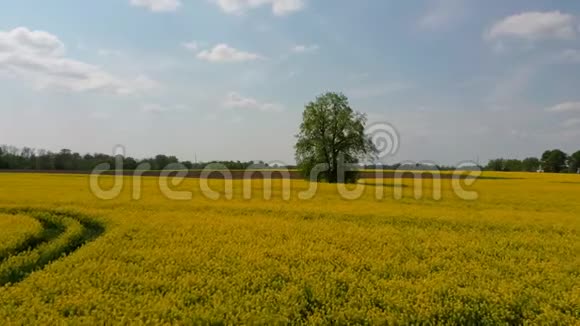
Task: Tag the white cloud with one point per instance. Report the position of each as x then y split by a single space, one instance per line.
156 108
225 53
500 47
443 12
568 56
573 122
534 26
377 90
143 82
157 5
305 48
279 7
40 58
565 107
191 46
25 42
236 101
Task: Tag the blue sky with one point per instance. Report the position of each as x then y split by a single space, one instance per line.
228 79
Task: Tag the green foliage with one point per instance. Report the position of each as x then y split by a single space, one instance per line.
496 165
554 160
513 165
13 158
574 162
332 134
531 164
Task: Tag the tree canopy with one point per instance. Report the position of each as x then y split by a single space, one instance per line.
554 160
574 162
531 164
13 158
332 134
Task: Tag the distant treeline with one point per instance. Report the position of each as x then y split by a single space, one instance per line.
419 167
555 161
14 158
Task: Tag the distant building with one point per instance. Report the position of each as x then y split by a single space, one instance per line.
540 170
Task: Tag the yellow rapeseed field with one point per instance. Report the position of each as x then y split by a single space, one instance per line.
511 256
15 230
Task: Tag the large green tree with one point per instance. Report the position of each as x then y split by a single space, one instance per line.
554 160
574 162
333 134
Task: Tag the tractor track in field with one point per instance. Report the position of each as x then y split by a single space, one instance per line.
63 233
